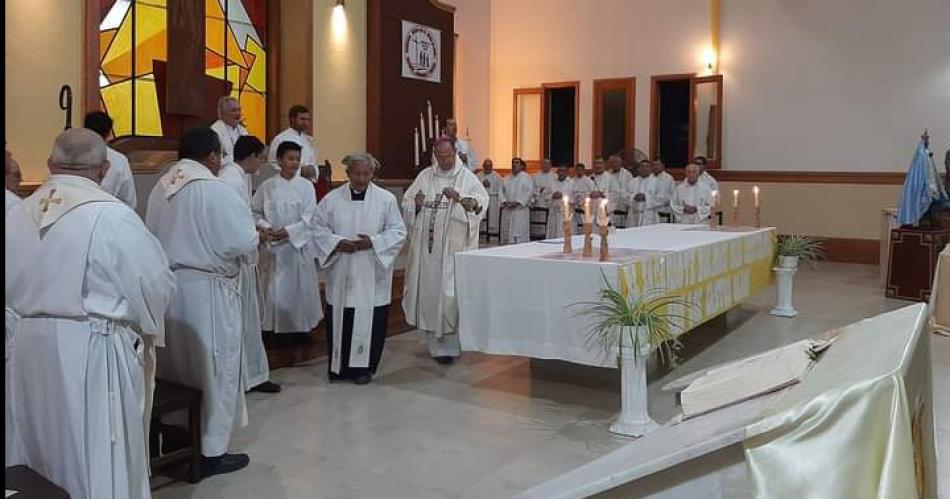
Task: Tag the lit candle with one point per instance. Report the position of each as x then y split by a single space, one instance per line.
437 127
714 200
602 212
587 217
735 198
431 123
415 145
755 196
422 128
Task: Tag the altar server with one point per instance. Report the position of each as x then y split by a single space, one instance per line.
118 180
90 285
443 209
638 197
493 183
283 206
517 196
661 190
691 200
359 232
207 231
561 188
248 157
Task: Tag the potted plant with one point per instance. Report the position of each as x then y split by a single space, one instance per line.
630 329
794 249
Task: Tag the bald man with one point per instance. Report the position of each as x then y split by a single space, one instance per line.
90 303
11 181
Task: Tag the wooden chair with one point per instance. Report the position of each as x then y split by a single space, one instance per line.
538 223
169 398
619 219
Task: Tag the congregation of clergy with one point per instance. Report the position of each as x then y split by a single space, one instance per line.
185 294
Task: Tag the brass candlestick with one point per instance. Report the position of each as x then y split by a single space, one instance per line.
714 219
566 228
588 239
735 216
758 217
604 253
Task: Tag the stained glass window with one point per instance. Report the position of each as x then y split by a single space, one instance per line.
133 34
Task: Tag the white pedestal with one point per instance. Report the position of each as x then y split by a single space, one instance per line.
634 419
783 306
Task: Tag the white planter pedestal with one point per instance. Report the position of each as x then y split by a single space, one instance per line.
783 306
634 419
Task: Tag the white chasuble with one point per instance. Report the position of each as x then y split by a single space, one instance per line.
437 230
291 293
518 189
696 195
92 296
207 232
565 188
361 280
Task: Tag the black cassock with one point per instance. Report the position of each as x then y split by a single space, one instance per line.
380 317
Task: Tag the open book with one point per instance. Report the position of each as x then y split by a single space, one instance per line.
750 377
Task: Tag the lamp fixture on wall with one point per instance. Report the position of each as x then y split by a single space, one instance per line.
339 3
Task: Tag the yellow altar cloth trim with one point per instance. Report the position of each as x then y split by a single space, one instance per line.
845 430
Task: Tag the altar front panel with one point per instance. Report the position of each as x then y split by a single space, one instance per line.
522 299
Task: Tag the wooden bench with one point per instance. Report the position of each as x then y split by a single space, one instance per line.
170 398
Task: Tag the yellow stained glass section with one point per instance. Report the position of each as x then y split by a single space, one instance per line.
118 59
118 99
148 120
258 77
150 37
253 105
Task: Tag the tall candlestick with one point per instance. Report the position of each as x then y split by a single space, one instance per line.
415 145
567 231
602 213
604 251
431 123
587 216
422 128
758 206
735 198
588 240
565 208
755 196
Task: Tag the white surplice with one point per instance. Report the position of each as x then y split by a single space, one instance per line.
308 151
637 213
494 184
206 231
361 280
518 189
555 226
661 192
229 136
10 200
291 295
437 231
90 285
118 180
697 195
256 367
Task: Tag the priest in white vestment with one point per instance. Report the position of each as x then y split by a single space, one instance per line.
583 186
704 177
638 197
283 206
463 148
443 209
541 183
605 185
692 200
11 181
229 130
299 117
118 180
494 184
359 232
248 158
620 182
562 188
517 193
207 232
90 285
661 190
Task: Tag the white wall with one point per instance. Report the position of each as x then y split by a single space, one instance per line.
473 25
833 84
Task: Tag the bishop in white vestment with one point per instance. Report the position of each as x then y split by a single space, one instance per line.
692 200
249 156
91 302
283 206
494 184
118 180
516 199
562 188
443 209
207 232
358 232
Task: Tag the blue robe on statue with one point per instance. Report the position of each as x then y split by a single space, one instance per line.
921 188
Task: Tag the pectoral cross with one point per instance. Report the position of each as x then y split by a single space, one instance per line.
45 202
179 175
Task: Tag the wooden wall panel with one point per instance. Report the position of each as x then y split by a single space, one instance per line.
393 103
186 57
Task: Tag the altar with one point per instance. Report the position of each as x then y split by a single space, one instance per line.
521 299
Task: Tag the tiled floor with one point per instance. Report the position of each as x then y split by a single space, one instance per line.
491 426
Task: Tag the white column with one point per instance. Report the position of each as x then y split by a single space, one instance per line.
634 419
783 305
